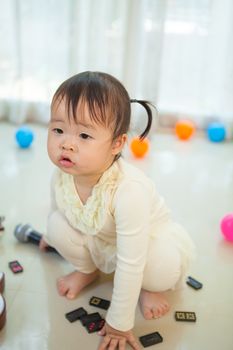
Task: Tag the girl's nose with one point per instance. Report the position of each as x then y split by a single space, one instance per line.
69 146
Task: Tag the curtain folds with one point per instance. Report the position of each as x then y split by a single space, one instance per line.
176 53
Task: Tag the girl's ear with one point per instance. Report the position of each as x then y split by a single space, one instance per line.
118 144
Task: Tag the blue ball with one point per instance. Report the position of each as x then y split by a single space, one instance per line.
216 132
24 137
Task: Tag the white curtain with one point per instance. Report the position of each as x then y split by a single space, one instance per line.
176 53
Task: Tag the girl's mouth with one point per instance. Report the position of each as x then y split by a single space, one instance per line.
66 162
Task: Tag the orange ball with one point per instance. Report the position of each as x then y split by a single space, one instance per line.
184 129
139 147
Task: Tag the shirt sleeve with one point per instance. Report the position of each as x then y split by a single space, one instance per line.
132 217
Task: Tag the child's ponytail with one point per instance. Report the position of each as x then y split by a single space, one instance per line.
146 105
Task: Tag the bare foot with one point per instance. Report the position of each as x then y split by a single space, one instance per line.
153 304
70 285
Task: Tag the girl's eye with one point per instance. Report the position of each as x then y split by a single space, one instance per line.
58 131
84 136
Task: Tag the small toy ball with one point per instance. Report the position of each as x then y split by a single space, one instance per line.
216 132
184 129
227 227
24 137
139 147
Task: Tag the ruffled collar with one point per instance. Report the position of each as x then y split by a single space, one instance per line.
90 217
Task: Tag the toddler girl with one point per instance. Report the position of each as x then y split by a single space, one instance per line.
106 214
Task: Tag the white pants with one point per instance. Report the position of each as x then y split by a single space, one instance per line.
165 264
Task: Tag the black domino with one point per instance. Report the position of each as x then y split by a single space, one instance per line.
150 339
15 266
99 302
194 283
186 316
76 314
90 318
95 326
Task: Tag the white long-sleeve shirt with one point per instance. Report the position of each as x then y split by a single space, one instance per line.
120 217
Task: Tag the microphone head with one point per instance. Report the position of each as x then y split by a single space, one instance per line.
21 232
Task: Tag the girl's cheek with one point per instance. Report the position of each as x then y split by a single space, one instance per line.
51 148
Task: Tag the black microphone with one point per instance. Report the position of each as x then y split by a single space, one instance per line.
25 234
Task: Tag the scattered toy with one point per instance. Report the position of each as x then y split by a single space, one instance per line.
90 318
99 302
24 137
184 129
226 226
139 147
95 326
25 234
93 322
216 132
76 314
150 339
187 316
194 283
15 266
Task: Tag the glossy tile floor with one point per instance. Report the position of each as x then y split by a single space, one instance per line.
196 179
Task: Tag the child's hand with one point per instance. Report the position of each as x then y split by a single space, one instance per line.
114 339
43 245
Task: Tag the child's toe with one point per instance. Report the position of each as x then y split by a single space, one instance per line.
147 313
70 295
62 289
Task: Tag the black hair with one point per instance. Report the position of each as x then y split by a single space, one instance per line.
107 99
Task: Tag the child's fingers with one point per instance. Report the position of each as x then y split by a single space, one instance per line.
105 342
122 344
114 339
43 245
134 344
113 344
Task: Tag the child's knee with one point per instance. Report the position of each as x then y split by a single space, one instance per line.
56 220
163 268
